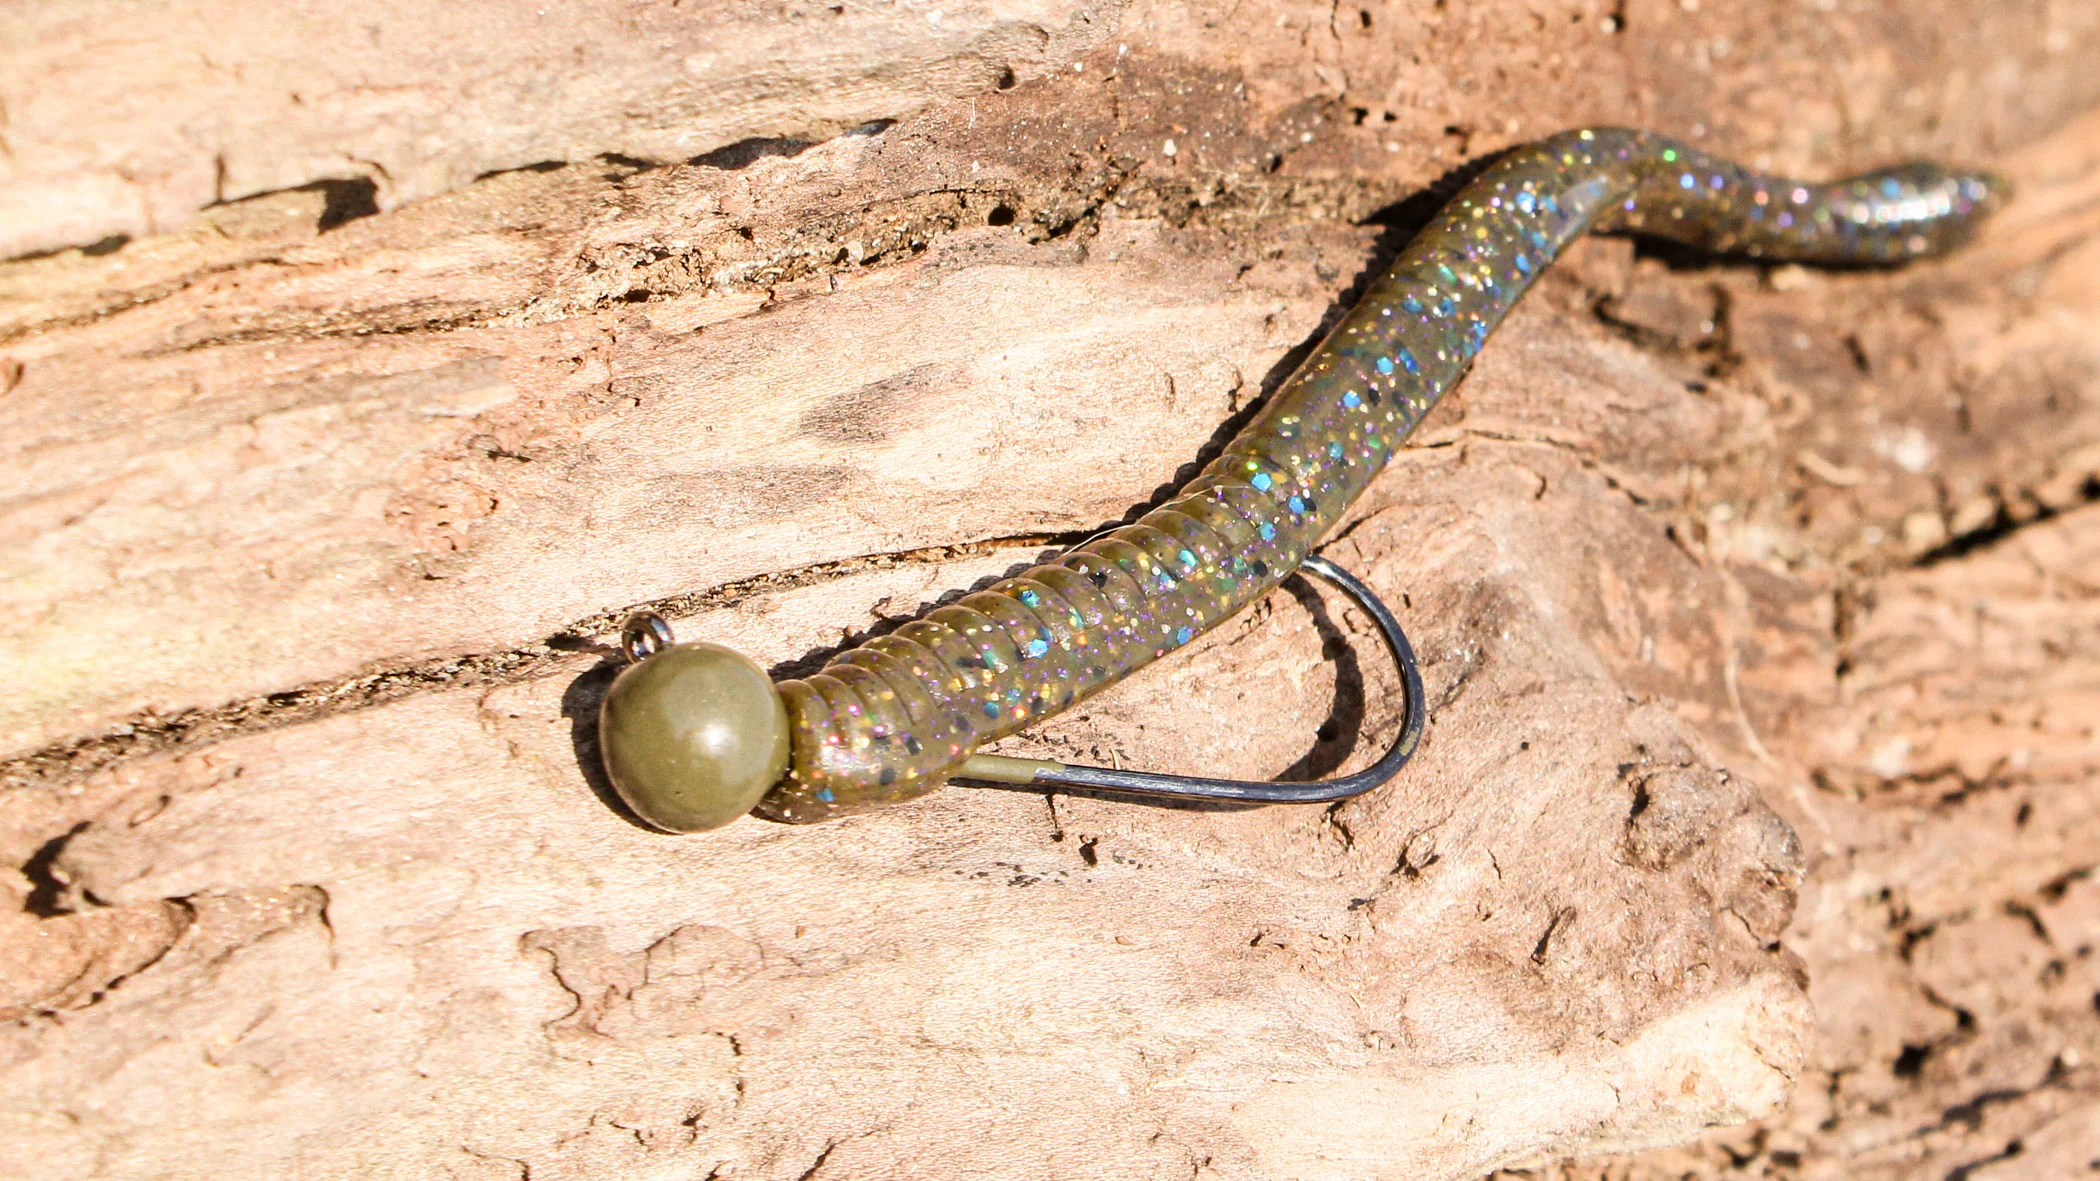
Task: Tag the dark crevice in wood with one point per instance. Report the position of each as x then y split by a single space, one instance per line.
146 735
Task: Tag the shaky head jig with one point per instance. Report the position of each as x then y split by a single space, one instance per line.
694 735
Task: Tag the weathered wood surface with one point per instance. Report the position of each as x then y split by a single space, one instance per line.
312 882
1944 772
126 120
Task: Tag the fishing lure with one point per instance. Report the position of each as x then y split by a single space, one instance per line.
694 735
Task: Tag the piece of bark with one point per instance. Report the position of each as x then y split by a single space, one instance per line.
335 895
404 498
1938 721
445 433
1553 941
1952 916
125 121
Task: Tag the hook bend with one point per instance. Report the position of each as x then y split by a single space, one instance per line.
1003 771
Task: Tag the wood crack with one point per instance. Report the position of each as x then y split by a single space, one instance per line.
148 735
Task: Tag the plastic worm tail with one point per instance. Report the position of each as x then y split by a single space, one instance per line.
892 718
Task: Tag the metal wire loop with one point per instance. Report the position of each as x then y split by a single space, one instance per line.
644 634
1002 771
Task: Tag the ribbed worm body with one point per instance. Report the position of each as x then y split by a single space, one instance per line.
893 717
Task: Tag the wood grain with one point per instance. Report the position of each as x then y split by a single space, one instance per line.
1732 587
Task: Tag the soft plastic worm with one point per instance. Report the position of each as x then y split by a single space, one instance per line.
891 718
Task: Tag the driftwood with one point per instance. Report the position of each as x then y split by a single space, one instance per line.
1727 582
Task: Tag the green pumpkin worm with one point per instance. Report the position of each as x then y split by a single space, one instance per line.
695 735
